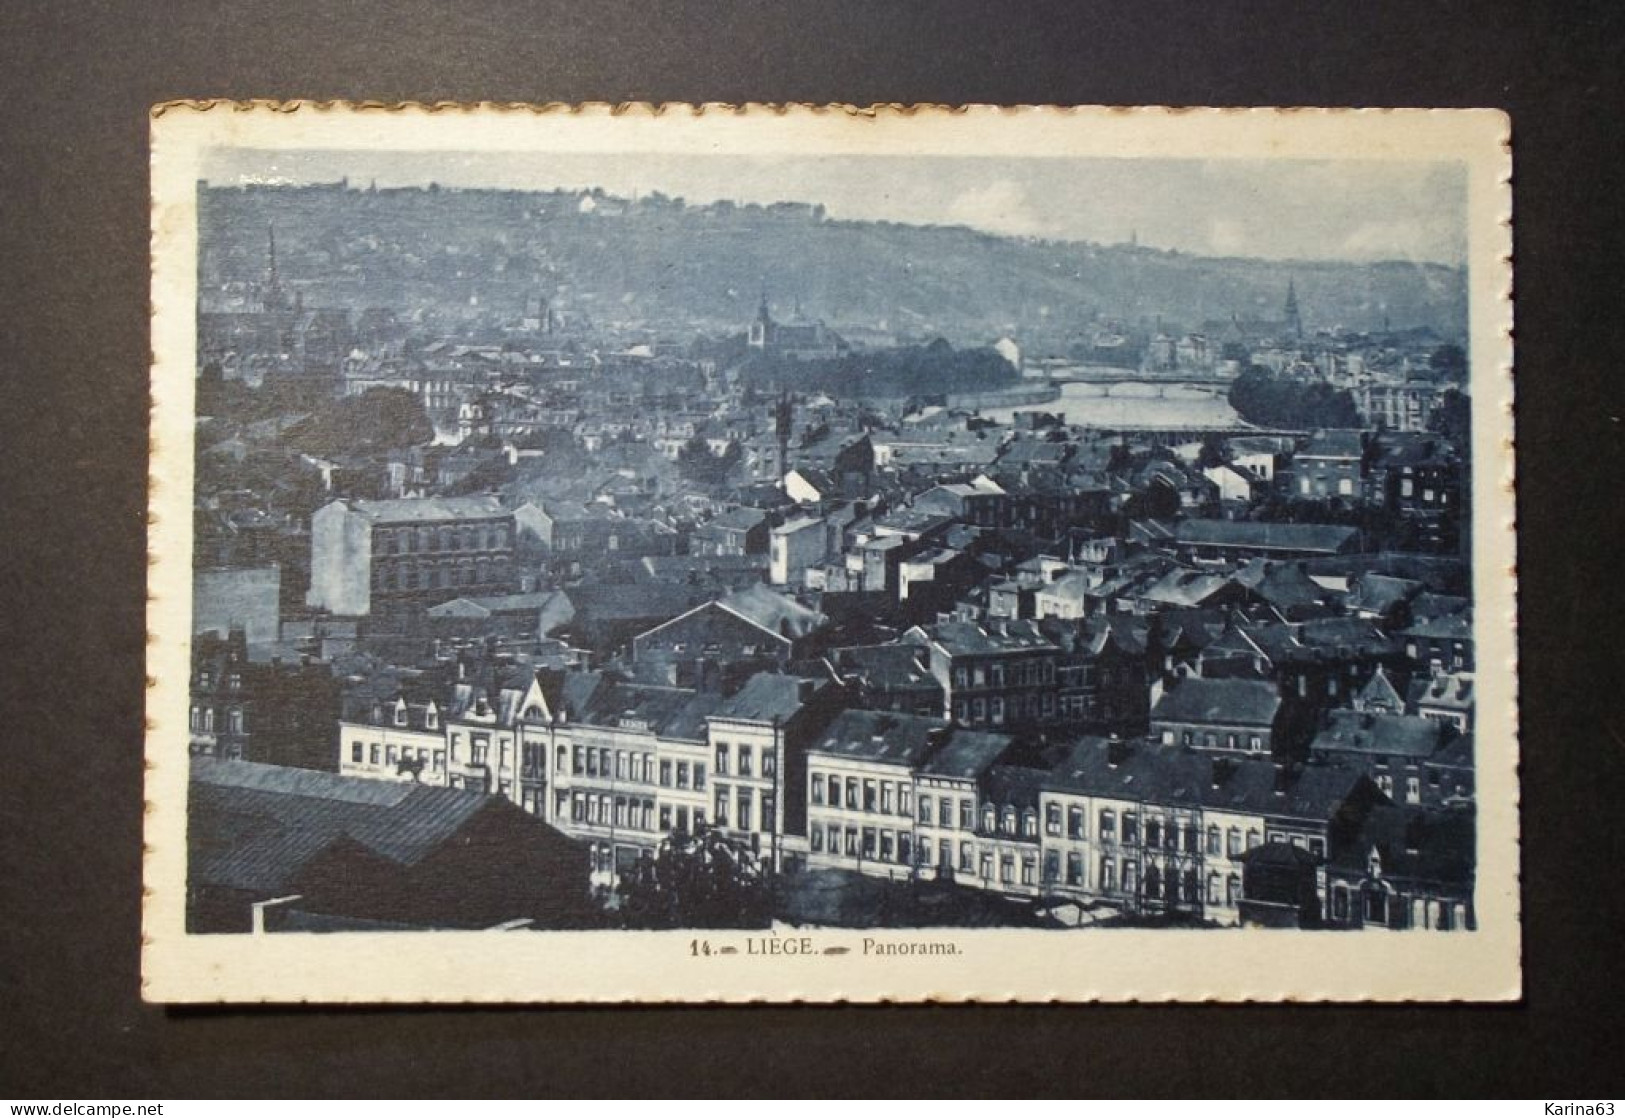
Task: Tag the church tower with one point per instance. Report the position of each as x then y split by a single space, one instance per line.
761 330
1294 321
272 297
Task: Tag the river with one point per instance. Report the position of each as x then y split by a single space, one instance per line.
1134 404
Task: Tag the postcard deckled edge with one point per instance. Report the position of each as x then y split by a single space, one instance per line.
566 967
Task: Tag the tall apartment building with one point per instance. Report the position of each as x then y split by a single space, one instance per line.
370 555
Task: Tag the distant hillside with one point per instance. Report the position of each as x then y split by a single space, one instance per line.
659 263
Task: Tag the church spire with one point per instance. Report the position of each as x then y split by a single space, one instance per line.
273 298
1294 321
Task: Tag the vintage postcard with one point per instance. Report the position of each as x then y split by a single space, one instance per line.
790 553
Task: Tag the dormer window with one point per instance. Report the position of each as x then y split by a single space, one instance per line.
400 713
235 681
431 719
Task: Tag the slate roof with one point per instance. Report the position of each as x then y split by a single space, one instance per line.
253 827
1226 702
966 638
1171 776
740 519
1378 735
1335 444
888 666
1327 538
967 754
881 736
1417 844
775 612
673 713
424 510
767 695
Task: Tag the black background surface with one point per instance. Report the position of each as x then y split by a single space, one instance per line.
77 80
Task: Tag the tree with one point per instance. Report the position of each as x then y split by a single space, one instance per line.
1448 362
378 419
1453 418
696 879
699 465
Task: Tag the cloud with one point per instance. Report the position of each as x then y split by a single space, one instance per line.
1002 206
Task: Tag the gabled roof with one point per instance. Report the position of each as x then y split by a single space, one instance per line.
253 827
1228 702
1380 691
778 613
673 713
768 697
1446 691
967 754
1257 535
1379 735
427 510
881 736
1334 444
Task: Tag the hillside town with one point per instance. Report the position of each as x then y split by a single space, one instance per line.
544 615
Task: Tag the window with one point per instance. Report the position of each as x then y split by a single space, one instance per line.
851 791
815 837
1029 870
699 775
682 818
817 788
886 851
1052 819
987 867
851 842
925 810
769 762
869 842
745 761
905 799
1108 875
1153 832
967 816
1074 822
990 820
1052 867
722 805
372 753
1233 842
1252 837
886 797
1413 790
722 759
1232 891
1255 744
665 817
742 821
1213 841
868 795
966 854
1029 823
1074 868
1167 737
355 752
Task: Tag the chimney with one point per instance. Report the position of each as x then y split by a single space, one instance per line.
1116 751
1283 779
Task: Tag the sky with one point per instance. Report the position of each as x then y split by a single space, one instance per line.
1277 209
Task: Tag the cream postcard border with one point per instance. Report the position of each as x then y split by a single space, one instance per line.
994 965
